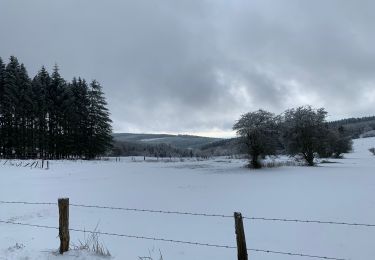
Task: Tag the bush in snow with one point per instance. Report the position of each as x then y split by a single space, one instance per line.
335 144
372 150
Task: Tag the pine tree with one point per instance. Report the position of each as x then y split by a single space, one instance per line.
100 139
50 118
79 123
10 110
2 71
24 107
40 84
54 96
67 144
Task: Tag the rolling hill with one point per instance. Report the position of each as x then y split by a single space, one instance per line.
176 141
167 144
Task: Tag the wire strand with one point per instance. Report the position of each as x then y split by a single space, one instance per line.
198 214
154 211
310 221
175 241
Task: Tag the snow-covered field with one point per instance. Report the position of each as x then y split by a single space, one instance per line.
342 191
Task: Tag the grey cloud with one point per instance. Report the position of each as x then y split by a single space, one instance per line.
195 66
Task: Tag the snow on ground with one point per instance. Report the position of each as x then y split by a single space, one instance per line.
342 191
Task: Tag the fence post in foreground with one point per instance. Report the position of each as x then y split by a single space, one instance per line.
240 236
64 224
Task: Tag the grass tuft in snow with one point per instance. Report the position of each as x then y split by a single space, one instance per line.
151 256
91 243
275 164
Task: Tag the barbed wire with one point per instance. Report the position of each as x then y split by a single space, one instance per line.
27 203
120 208
198 214
175 241
154 211
25 224
310 221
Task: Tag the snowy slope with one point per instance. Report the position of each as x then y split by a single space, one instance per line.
178 141
342 191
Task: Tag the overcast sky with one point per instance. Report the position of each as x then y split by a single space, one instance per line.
194 66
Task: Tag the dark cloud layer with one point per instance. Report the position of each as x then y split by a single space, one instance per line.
195 66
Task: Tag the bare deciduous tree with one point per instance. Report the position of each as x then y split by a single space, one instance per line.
259 132
304 131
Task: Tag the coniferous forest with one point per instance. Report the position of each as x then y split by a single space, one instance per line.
49 117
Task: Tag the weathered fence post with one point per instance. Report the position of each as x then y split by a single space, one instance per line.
240 236
64 224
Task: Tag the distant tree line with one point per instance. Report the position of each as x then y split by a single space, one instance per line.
225 147
300 131
355 127
353 120
49 117
161 150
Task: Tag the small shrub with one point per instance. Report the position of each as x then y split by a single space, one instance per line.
327 161
275 164
372 150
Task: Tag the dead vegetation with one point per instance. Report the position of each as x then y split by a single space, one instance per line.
151 255
91 243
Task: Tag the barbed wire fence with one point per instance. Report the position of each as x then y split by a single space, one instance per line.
195 213
193 243
32 164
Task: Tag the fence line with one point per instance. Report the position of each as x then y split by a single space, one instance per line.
311 221
176 241
198 214
38 164
153 211
27 203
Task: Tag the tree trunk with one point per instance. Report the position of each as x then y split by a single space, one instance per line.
255 161
309 157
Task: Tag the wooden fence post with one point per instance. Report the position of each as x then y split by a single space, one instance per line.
240 236
64 224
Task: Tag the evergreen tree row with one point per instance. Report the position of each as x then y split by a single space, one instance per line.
48 117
